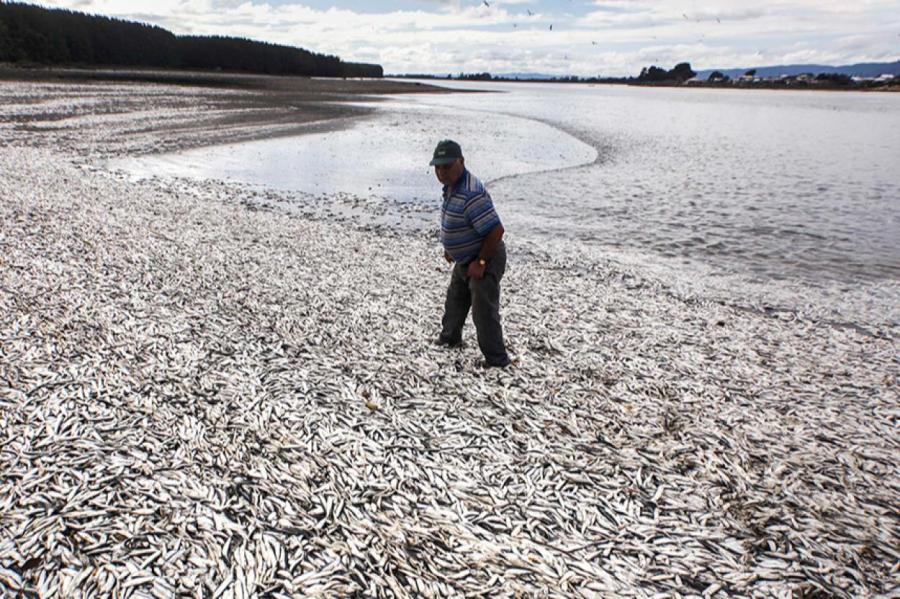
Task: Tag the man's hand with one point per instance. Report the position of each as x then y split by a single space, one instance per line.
447 257
476 270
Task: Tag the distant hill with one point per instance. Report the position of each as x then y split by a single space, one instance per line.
866 69
34 35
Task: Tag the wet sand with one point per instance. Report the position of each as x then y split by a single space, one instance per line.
201 396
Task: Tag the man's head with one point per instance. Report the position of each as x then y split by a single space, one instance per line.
448 162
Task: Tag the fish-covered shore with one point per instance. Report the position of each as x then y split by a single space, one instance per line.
204 396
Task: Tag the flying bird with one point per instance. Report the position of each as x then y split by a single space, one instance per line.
551 27
530 14
485 2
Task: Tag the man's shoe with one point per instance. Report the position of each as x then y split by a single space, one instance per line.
486 364
440 341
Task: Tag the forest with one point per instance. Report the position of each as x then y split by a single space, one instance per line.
32 35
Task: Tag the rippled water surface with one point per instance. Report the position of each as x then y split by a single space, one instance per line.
769 184
783 184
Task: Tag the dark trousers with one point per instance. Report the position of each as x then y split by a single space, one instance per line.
483 296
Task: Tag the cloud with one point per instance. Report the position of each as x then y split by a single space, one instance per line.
611 37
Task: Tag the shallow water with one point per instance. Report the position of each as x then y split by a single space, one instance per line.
776 184
769 185
386 155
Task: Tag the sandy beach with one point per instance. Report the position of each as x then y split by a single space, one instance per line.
201 397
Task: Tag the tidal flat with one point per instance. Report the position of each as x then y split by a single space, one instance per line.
203 396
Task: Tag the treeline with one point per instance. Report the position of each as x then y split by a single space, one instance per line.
830 81
649 76
34 35
683 75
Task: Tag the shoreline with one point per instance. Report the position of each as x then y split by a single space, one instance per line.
199 396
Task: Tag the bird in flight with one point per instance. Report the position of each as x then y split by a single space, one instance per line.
485 2
530 14
551 27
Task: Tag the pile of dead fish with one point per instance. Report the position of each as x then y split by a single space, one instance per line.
197 399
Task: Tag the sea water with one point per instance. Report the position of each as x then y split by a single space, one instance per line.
765 186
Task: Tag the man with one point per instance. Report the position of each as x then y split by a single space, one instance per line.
472 236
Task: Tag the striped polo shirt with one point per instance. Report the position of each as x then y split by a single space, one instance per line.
467 216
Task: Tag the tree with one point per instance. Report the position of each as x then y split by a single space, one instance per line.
653 74
750 73
834 78
4 42
682 72
717 77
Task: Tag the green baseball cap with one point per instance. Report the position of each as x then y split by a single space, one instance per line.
447 151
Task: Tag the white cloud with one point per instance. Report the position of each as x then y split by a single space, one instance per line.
614 37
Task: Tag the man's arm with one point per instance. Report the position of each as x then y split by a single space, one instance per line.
490 243
488 249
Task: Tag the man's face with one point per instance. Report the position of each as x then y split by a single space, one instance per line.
448 174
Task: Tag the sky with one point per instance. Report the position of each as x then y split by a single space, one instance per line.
557 37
